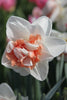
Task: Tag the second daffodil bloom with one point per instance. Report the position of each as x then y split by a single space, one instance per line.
6 93
30 47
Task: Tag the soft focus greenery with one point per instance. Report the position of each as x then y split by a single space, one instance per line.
28 86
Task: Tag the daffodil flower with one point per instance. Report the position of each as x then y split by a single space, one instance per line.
6 93
30 47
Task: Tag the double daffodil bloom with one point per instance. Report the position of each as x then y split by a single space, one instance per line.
6 93
30 46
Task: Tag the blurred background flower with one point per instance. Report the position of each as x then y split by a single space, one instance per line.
36 13
8 5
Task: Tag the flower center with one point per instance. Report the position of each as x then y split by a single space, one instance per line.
25 53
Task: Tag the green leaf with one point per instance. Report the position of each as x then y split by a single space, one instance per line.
37 90
19 96
65 70
61 65
53 90
57 71
65 93
59 68
42 97
47 80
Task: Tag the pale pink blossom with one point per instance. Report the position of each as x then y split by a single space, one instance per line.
36 13
9 5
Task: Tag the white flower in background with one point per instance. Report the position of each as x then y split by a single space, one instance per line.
56 10
61 35
60 15
30 47
62 2
61 22
6 93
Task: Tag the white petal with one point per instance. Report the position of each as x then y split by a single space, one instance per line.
5 62
17 53
40 71
17 28
24 51
10 47
55 33
3 98
58 34
6 91
27 62
45 54
54 45
30 46
22 71
44 26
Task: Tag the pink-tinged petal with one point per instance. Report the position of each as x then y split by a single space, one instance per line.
6 91
31 19
54 45
17 28
40 72
43 26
